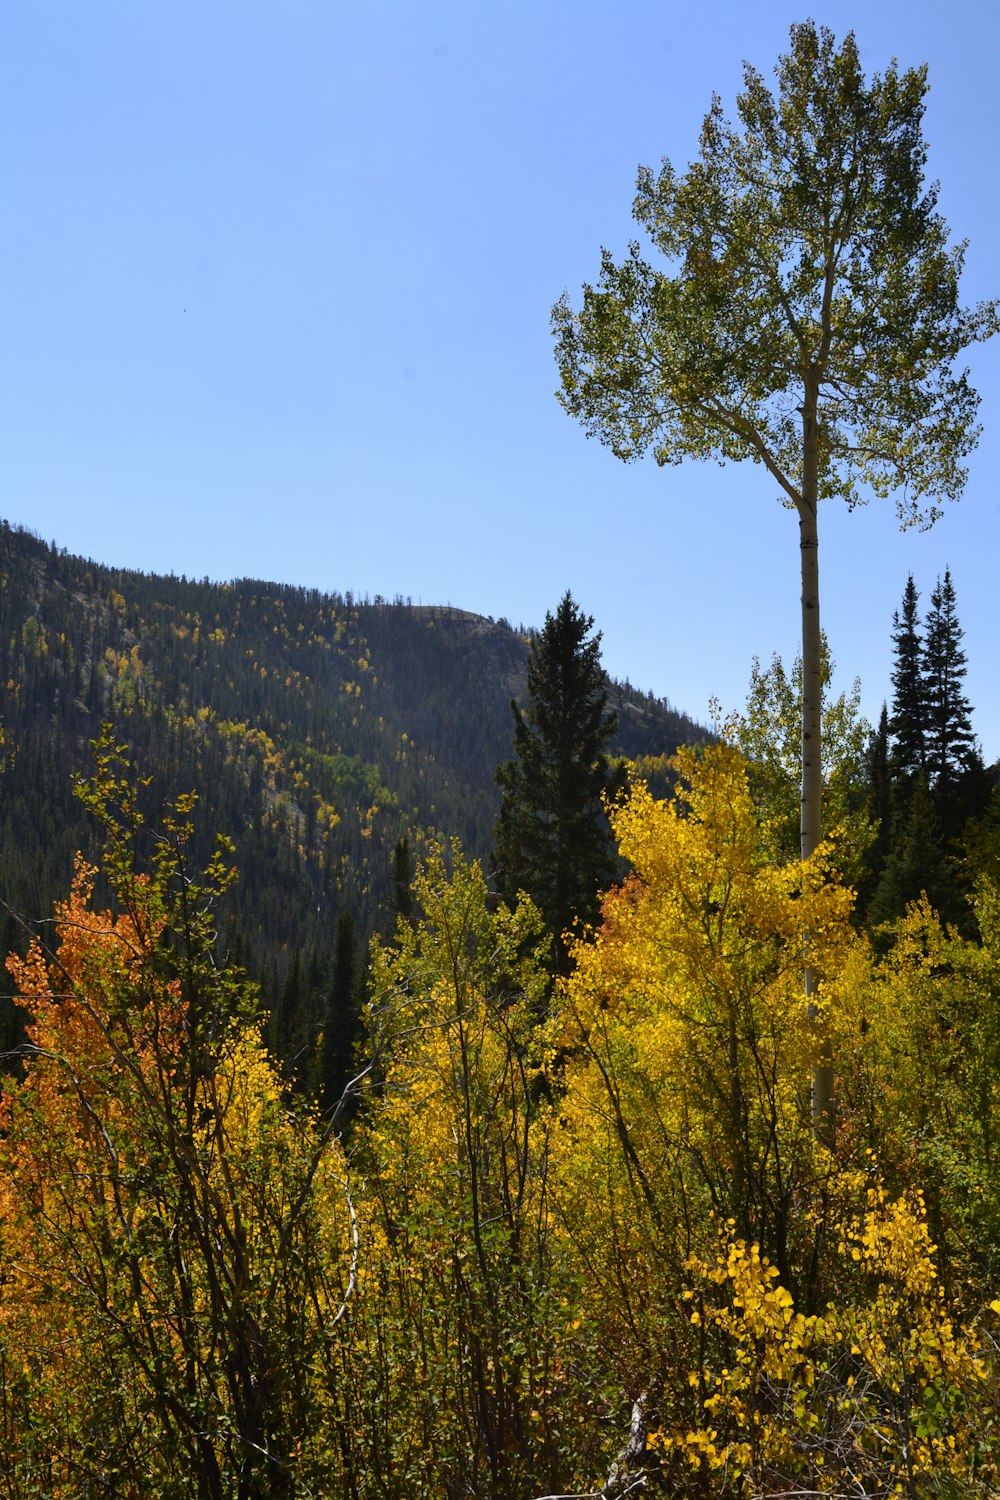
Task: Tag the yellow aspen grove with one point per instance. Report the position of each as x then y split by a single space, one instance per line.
779 1310
462 1298
687 1014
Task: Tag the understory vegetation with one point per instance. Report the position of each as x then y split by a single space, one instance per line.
559 1239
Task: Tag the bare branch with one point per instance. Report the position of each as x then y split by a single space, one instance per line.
619 1483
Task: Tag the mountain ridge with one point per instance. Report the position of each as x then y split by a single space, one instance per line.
318 729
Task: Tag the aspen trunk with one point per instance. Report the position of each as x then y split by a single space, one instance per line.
811 803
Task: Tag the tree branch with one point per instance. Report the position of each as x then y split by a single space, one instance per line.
618 1483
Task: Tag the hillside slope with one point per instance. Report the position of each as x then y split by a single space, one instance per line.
317 730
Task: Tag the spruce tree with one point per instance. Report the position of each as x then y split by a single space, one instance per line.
551 837
879 781
951 744
342 1023
881 804
908 723
917 862
401 880
937 779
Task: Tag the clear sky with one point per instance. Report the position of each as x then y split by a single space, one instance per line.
275 283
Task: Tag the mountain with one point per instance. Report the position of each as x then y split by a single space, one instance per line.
317 729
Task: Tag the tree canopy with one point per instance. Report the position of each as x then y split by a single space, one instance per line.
808 315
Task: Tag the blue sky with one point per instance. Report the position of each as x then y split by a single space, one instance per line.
275 284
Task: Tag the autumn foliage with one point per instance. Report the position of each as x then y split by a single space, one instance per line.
175 1237
575 1244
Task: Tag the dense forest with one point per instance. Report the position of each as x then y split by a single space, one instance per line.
320 731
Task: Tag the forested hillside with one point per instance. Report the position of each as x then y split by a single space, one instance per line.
318 731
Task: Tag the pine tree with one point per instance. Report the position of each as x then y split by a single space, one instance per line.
551 837
951 744
908 723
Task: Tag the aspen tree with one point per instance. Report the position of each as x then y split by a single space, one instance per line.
807 319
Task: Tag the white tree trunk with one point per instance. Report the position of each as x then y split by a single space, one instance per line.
811 805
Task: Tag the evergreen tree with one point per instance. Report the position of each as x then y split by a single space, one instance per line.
401 877
936 777
341 1028
290 1034
917 863
908 723
551 837
951 744
879 776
